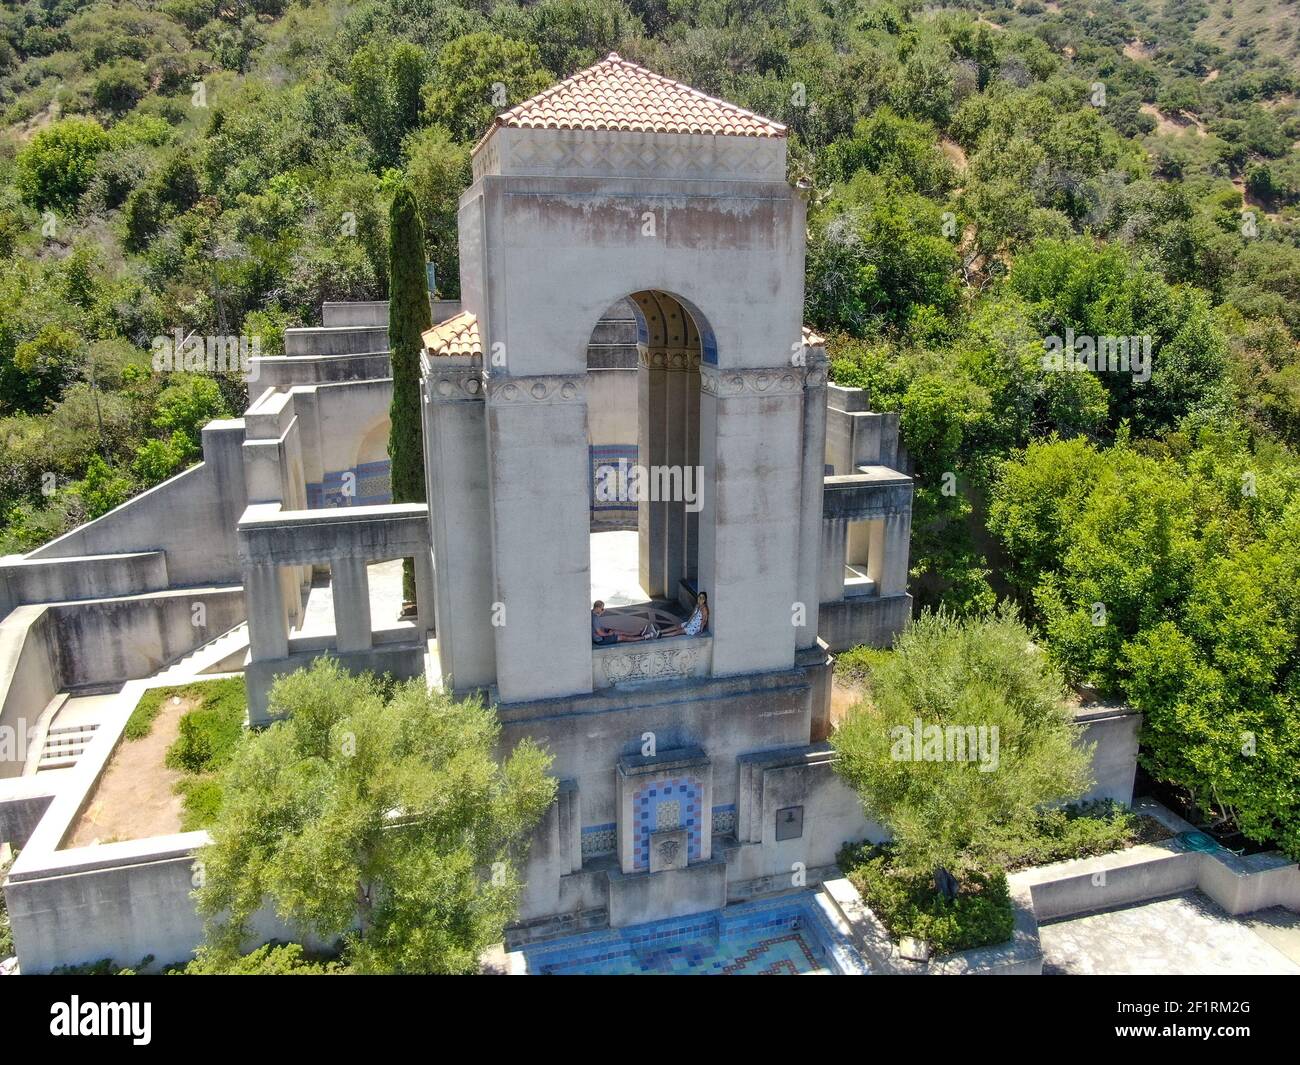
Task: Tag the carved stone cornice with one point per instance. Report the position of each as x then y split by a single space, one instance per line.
550 389
681 360
453 385
764 381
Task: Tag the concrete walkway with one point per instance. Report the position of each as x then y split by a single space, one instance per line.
385 585
1184 935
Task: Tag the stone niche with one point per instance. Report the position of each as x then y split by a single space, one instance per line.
665 806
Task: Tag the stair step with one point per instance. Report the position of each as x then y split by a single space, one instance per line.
62 762
66 731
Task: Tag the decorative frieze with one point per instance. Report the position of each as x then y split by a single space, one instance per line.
454 386
765 381
547 388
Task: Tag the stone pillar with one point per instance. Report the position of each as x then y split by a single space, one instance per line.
811 495
897 537
693 452
834 540
676 457
350 589
268 633
425 591
652 439
750 420
541 535
876 552
456 482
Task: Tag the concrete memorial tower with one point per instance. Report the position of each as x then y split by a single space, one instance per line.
689 775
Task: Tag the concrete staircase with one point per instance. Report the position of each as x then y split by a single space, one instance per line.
225 653
64 745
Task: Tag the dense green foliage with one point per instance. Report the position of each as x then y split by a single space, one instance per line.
272 959
382 822
907 904
941 802
1167 575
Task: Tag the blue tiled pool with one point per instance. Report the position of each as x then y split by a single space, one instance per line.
788 935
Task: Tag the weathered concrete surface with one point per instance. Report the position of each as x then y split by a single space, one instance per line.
1188 934
55 580
1114 731
191 517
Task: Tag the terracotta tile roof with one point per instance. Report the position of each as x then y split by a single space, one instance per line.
812 340
618 95
458 335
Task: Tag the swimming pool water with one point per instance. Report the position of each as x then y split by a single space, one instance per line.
788 935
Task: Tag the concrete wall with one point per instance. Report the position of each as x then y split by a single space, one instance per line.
56 580
46 649
1115 732
190 517
23 802
29 677
107 641
587 735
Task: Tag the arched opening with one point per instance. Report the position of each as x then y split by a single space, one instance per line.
643 435
373 468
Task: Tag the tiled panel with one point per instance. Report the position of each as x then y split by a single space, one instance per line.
598 840
673 802
605 460
784 935
374 486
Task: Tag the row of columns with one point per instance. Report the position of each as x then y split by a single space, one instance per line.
270 622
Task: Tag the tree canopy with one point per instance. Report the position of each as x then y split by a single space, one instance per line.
381 820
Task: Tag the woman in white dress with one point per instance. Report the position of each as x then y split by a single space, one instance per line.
696 623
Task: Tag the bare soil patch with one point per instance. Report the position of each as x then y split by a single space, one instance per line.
845 695
136 796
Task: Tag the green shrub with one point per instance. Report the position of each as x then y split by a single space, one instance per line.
201 797
1079 831
273 959
908 905
140 723
856 663
209 733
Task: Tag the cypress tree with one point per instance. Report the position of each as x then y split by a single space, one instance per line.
408 318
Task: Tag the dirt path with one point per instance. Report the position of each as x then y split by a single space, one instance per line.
135 798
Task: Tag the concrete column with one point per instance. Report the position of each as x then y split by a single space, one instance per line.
749 557
425 590
897 537
676 457
268 634
876 552
456 479
541 535
350 589
652 390
834 541
693 457
811 494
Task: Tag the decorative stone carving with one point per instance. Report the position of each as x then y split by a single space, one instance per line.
668 850
779 381
658 664
547 388
617 153
454 386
